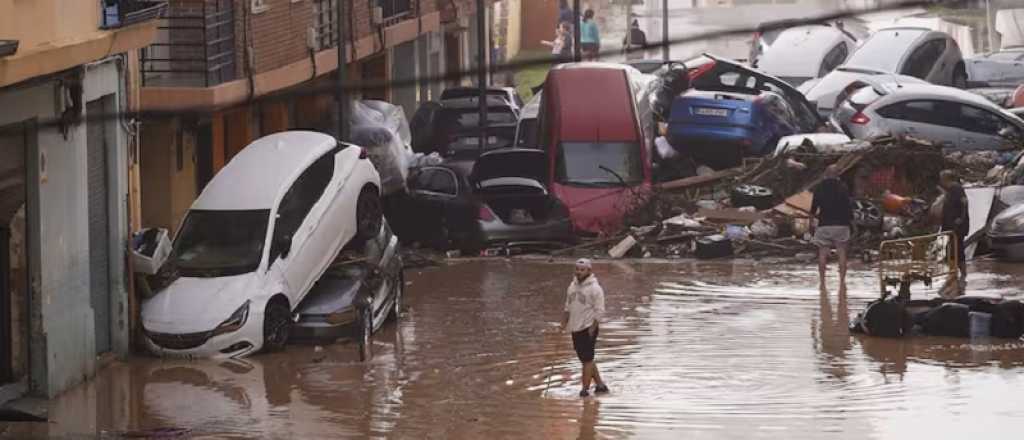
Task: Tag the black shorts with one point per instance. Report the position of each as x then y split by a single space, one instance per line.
584 344
589 47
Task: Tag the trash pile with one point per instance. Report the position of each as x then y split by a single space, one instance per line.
762 209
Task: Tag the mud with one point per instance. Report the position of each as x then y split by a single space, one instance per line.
697 350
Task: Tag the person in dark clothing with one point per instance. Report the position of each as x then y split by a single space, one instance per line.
634 45
832 208
565 13
955 216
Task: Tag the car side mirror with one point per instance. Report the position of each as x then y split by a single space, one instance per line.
283 245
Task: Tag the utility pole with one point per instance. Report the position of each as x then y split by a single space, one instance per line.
481 73
577 52
339 92
664 30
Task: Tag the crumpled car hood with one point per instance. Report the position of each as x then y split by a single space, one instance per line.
192 305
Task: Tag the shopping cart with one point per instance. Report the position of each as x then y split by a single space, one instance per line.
923 258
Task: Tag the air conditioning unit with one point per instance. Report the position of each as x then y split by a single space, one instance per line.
378 15
435 42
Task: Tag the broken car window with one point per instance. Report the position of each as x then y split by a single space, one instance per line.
220 243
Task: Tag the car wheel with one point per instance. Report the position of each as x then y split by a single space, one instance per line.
277 326
399 290
369 215
960 77
365 334
752 195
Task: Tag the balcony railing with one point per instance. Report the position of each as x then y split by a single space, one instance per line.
395 11
118 13
195 46
325 21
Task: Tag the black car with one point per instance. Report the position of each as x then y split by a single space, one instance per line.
437 124
355 296
497 201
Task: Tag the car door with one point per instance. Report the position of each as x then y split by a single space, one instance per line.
926 62
299 230
981 129
931 120
432 188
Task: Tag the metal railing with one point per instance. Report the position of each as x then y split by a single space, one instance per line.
195 46
325 18
395 10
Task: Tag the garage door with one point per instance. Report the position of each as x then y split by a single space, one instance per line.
99 232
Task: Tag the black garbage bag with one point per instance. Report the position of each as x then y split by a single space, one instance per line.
950 319
672 80
886 318
1008 320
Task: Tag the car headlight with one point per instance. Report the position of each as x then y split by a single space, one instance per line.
235 322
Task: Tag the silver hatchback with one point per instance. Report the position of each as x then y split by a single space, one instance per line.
949 117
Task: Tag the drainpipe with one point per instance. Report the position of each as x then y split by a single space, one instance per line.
664 30
577 53
481 69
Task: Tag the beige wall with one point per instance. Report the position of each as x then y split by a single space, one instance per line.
515 28
38 22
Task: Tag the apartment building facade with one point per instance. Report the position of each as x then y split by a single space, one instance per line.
67 70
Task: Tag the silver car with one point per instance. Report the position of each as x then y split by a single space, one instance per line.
952 118
917 52
1002 68
803 53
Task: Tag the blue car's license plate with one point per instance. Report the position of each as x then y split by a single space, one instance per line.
704 111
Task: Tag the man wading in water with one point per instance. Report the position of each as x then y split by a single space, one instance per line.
831 206
584 308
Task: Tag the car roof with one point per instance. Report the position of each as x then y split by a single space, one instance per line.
589 116
791 52
903 92
259 174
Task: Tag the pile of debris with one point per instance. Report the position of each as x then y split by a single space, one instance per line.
762 209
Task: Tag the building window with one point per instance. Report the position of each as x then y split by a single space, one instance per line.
395 8
325 19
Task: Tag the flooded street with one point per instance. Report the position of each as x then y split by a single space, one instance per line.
695 350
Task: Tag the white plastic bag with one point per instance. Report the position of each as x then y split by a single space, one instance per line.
150 249
381 128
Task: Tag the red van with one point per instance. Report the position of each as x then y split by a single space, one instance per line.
590 126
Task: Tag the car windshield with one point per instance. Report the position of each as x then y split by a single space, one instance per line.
884 50
220 243
588 163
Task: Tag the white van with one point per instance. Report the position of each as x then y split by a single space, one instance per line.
250 248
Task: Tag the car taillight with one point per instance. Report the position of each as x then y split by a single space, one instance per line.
860 119
363 153
486 214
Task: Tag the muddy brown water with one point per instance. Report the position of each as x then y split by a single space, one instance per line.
696 350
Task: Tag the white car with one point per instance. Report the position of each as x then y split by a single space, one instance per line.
921 53
803 53
951 118
1002 68
250 248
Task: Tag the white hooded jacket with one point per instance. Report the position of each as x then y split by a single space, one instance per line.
585 303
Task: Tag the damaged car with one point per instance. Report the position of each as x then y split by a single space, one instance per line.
803 53
256 240
948 117
500 200
1001 68
355 296
1006 235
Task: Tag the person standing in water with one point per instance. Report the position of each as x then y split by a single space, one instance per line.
584 309
832 208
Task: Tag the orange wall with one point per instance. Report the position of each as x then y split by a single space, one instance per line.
539 17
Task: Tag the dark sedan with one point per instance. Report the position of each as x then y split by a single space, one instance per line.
498 201
355 296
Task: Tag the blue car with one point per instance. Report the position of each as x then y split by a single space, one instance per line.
720 128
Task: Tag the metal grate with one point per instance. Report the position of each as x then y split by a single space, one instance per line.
183 341
195 46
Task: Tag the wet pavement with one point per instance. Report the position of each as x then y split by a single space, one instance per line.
701 350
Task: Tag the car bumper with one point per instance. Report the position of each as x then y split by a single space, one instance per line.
317 332
1009 247
243 342
708 145
499 233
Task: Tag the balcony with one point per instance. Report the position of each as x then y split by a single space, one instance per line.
395 11
120 13
325 18
195 46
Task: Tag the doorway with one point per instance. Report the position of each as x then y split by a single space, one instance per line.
13 254
98 186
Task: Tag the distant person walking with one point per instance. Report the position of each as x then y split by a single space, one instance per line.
590 37
956 217
584 309
634 45
565 14
831 206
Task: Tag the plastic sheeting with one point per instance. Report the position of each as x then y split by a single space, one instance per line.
382 129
